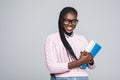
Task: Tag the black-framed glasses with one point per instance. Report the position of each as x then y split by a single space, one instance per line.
68 21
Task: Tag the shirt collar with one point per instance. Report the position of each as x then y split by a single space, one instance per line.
67 36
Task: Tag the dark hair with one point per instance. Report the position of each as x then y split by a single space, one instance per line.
62 36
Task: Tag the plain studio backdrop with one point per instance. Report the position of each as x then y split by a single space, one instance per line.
25 24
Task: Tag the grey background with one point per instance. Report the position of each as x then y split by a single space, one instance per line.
25 24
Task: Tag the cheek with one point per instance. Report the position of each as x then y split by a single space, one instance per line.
63 26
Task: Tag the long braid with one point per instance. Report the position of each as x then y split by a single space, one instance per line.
62 36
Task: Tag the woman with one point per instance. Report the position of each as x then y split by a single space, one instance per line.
65 50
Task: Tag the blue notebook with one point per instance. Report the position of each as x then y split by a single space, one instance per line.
93 48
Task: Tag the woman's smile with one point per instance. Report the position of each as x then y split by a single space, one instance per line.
69 29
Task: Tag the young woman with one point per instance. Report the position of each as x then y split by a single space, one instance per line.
65 50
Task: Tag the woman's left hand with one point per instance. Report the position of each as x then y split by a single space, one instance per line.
90 58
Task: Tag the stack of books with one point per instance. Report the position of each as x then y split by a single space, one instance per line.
92 48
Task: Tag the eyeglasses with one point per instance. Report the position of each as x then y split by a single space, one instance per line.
68 21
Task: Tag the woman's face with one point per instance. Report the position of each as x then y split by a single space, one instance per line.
69 22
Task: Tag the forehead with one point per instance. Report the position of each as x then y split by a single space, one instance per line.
70 15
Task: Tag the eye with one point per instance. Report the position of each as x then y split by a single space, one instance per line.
74 21
66 21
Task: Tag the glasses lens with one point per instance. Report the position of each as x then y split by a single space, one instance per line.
66 21
74 21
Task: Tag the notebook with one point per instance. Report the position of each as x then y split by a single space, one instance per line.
93 48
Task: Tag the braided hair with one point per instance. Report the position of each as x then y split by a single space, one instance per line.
61 31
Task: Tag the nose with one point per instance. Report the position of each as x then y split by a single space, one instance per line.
70 23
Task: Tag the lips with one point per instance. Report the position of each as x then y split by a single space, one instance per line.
69 28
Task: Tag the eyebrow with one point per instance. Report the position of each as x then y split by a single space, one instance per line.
69 19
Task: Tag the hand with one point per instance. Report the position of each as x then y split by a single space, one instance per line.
91 60
84 57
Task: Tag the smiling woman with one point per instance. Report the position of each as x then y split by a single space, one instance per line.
64 50
69 22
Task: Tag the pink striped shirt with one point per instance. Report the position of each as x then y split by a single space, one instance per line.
57 58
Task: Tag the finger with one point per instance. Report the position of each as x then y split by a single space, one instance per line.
83 53
90 61
90 55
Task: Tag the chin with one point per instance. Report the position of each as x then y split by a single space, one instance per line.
69 32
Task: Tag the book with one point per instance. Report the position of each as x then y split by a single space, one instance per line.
92 48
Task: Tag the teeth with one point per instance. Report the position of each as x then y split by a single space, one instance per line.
69 28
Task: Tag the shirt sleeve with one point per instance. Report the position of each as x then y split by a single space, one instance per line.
91 66
51 59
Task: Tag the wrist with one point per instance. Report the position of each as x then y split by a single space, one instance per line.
74 64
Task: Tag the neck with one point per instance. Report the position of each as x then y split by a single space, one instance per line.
69 34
